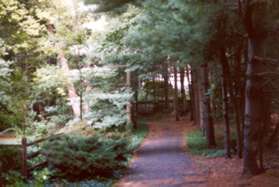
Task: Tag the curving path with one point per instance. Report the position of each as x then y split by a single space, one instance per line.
161 161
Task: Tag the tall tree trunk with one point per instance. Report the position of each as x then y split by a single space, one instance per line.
225 75
190 90
166 85
208 121
73 97
201 91
197 97
252 115
233 89
237 101
183 94
176 108
254 86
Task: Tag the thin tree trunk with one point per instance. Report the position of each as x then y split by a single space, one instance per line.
208 121
237 102
201 91
233 90
176 109
182 91
196 94
166 85
190 88
224 64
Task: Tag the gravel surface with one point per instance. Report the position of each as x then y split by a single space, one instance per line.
161 161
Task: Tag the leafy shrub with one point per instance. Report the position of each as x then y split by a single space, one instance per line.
76 158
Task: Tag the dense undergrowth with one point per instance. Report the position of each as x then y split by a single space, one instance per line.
82 160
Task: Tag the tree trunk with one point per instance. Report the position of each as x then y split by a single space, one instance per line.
190 88
176 109
73 97
254 87
166 85
237 101
225 70
183 94
207 118
252 115
196 95
201 91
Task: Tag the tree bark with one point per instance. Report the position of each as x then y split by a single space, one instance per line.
237 101
196 95
200 93
190 88
182 91
166 85
254 87
225 70
207 118
252 117
176 108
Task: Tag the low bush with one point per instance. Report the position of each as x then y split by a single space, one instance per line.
77 158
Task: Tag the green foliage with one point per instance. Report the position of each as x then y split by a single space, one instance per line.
197 145
78 158
155 89
50 78
93 160
14 179
108 109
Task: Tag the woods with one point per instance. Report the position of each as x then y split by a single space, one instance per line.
102 65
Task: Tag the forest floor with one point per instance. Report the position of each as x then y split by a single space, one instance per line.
163 161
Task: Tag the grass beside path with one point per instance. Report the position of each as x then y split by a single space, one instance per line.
197 145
